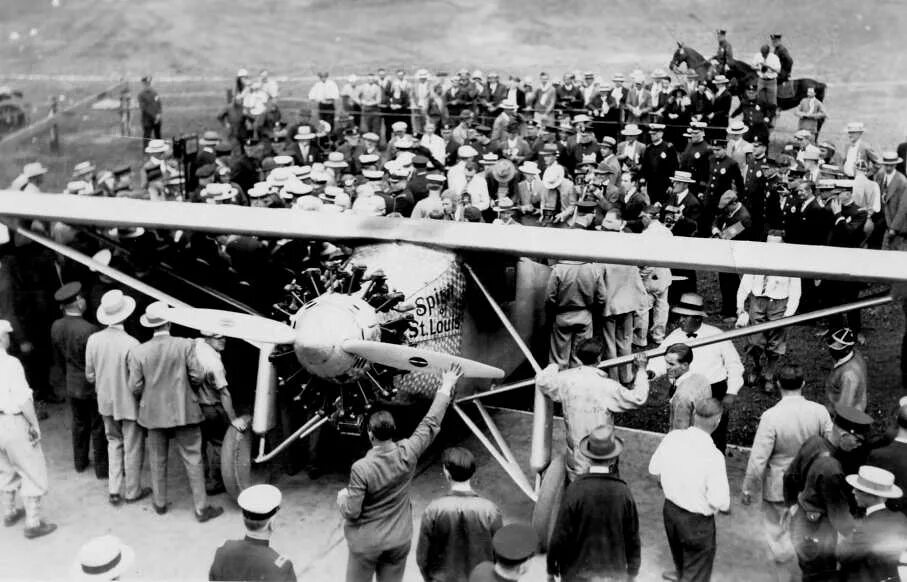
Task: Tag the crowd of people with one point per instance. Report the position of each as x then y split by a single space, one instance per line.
650 156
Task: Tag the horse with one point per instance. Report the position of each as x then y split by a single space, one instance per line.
740 74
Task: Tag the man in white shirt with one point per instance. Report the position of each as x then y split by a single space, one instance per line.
456 175
762 298
324 93
857 150
782 430
694 480
589 398
22 466
719 362
767 66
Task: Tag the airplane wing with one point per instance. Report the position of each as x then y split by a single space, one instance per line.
689 253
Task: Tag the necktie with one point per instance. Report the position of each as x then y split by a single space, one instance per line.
764 284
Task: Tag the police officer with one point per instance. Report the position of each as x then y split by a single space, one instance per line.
817 494
695 158
513 545
755 112
22 465
724 175
658 164
251 558
755 188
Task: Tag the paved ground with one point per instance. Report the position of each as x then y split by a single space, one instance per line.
308 531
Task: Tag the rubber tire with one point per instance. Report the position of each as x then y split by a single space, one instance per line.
551 492
236 462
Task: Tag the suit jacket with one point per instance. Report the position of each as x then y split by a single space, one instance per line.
893 458
161 372
106 365
848 383
626 151
782 430
624 291
631 210
871 553
658 164
809 226
815 114
691 213
848 229
250 559
902 153
721 109
378 512
894 201
741 215
596 533
69 336
637 98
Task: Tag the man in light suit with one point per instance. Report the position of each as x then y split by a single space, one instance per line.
630 151
783 428
160 371
893 186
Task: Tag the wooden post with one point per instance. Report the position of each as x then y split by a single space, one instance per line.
125 113
229 96
54 128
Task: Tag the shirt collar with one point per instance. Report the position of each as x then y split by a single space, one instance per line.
898 439
160 332
599 470
844 360
874 508
461 489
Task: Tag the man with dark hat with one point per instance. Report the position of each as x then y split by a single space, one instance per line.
817 495
151 108
719 362
725 52
787 62
693 477
69 336
160 372
252 558
695 158
514 545
724 175
848 381
658 164
596 534
755 187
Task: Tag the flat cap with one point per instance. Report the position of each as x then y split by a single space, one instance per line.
68 292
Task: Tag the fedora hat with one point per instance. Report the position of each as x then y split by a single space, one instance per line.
720 80
304 133
154 315
890 159
157 146
503 171
209 138
103 558
115 307
737 128
553 177
503 205
875 481
855 127
33 169
601 444
681 176
631 129
690 304
82 169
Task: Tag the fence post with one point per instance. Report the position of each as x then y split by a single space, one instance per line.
125 113
229 96
54 128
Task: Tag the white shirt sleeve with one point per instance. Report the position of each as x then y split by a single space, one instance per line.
733 366
793 297
655 463
547 382
718 491
743 291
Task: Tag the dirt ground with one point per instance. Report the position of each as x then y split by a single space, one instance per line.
308 528
194 47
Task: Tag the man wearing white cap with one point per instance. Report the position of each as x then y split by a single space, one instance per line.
252 558
160 371
22 466
872 552
105 365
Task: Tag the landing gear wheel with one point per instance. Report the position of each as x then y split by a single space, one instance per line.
544 514
236 466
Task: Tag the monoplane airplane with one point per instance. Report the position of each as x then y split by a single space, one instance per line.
413 297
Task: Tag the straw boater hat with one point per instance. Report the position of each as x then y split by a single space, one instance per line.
531 168
601 444
33 169
505 204
157 146
115 307
335 160
690 304
855 127
631 129
875 481
720 80
82 169
681 176
102 558
154 315
304 133
890 159
280 161
737 127
489 159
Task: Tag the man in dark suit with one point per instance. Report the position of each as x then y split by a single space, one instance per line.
871 553
724 175
787 62
596 534
695 158
893 186
252 558
376 505
756 190
893 457
160 372
848 232
682 216
659 162
152 110
807 222
733 222
720 113
69 336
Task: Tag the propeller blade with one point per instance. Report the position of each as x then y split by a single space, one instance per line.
232 324
418 360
